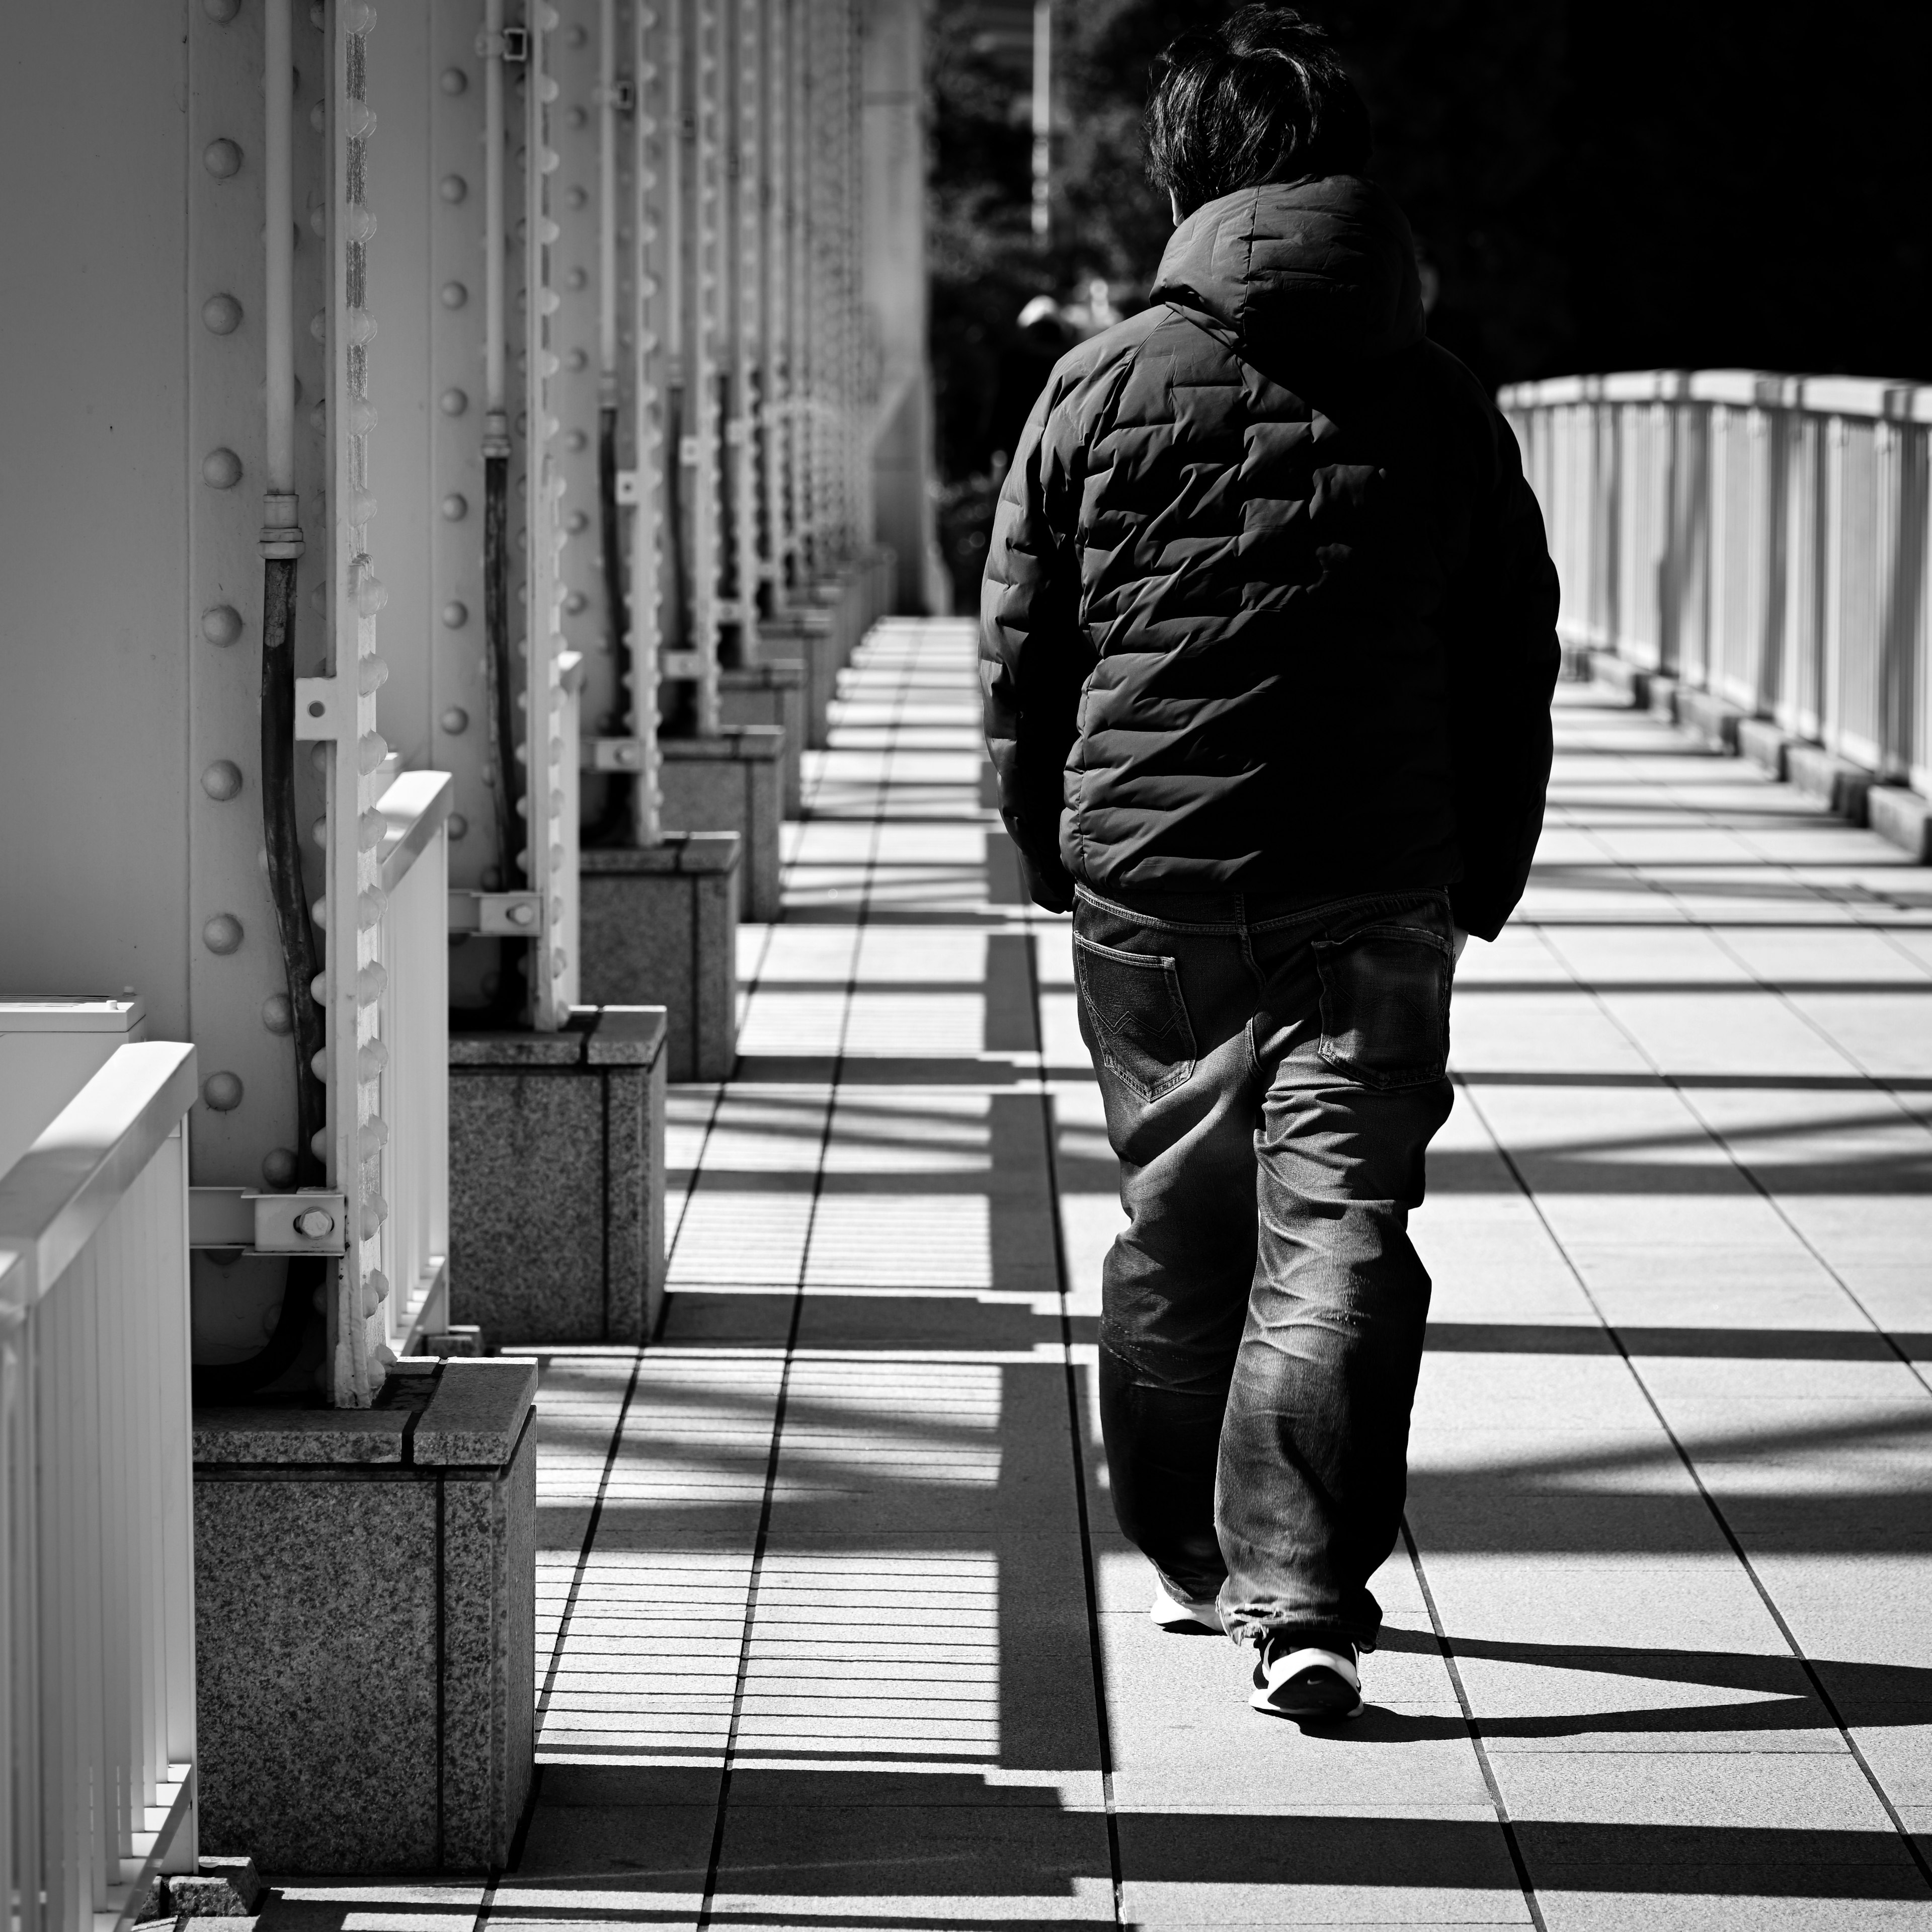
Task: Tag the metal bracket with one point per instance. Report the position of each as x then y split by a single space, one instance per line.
611 755
324 708
624 96
310 1221
681 663
503 915
628 490
513 44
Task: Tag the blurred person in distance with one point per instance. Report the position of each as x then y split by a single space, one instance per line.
1268 644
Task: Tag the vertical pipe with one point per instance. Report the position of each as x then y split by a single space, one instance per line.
606 202
1042 114
278 90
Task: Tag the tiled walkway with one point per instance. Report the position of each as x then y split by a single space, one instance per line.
836 1628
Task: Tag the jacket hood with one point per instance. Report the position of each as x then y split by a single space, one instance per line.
1324 265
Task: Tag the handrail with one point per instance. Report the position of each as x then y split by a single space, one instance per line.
415 806
1760 539
67 1184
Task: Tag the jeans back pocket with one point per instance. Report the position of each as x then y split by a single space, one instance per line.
1133 1002
1385 1004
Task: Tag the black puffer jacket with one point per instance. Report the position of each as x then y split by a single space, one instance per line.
1267 607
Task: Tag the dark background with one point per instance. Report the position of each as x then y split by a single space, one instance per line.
1600 186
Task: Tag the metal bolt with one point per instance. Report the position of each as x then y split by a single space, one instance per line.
222 780
523 915
222 159
455 720
221 624
222 1091
222 934
314 1223
221 469
221 315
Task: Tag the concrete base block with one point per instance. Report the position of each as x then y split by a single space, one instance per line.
805 637
1903 817
772 693
1607 668
365 1587
1711 718
556 1229
1836 783
731 783
658 926
1764 743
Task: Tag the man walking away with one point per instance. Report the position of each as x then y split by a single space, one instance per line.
1268 646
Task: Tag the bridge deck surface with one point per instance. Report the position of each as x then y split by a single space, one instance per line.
837 1630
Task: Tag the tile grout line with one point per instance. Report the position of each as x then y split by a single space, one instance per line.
1719 1139
1512 1843
1709 1500
761 1539
1076 1433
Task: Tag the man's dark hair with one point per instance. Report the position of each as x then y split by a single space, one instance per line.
1262 98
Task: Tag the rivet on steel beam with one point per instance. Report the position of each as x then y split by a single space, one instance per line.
318 1143
577 278
455 720
221 315
221 469
577 522
222 934
455 615
277 1016
278 1167
222 1091
221 624
457 825
453 188
369 982
221 11
576 37
454 295
578 118
453 402
318 1063
222 159
371 1058
575 441
318 913
222 781
318 324
454 80
575 197
455 507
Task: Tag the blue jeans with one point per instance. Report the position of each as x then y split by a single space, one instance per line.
1272 1073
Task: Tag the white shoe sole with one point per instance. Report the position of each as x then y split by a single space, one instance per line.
1277 1697
1170 1614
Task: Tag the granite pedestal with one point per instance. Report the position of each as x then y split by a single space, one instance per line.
659 925
731 783
805 636
772 693
365 1609
556 1228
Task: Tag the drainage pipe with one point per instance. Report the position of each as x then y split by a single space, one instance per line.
281 548
496 475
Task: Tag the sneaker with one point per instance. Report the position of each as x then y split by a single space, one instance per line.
1173 1614
1306 1683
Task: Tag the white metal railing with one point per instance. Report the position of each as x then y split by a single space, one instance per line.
97 1568
1763 538
409 1289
